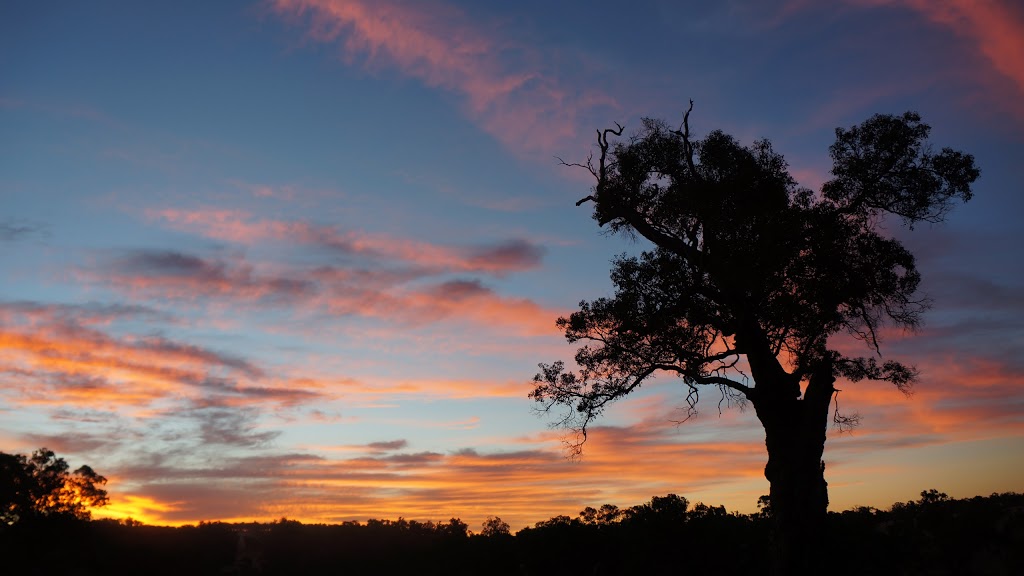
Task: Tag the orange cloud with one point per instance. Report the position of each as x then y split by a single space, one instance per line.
957 398
720 461
520 104
48 357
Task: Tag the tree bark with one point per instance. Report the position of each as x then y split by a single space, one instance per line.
795 437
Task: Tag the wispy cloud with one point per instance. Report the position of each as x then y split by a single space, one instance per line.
396 297
506 86
49 357
499 258
395 280
391 479
388 445
466 301
994 27
179 275
88 313
14 230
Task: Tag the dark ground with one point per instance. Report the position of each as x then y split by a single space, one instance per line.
934 535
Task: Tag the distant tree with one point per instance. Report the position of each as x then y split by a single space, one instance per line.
764 506
661 510
494 526
588 515
748 278
41 485
608 514
933 496
603 516
560 520
702 511
454 527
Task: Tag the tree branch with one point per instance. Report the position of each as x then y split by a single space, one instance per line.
718 380
684 132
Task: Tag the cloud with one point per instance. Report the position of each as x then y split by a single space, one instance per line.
455 300
88 313
221 426
387 446
14 231
390 298
994 27
718 460
72 442
62 355
396 280
178 275
512 255
377 390
511 89
394 296
522 486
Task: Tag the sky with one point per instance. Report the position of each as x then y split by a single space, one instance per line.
301 258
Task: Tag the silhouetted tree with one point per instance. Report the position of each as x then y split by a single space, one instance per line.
661 511
764 506
608 514
454 527
494 526
749 276
41 485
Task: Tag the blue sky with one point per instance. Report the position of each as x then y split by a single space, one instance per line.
301 257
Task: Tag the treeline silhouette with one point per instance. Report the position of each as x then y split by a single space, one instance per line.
933 535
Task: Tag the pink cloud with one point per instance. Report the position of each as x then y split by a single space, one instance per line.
522 105
375 390
957 398
182 276
239 226
392 296
464 301
472 301
387 284
397 297
995 27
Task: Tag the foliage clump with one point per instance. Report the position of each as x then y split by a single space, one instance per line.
43 486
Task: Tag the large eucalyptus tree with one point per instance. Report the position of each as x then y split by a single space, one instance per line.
748 278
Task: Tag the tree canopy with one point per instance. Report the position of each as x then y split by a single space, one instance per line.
42 486
748 263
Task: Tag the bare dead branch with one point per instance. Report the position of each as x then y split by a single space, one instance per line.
842 422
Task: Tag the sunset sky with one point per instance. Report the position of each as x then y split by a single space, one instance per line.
301 257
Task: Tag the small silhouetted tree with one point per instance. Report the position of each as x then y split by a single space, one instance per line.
42 485
748 279
454 527
764 506
494 526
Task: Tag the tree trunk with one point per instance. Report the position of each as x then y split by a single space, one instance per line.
795 438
